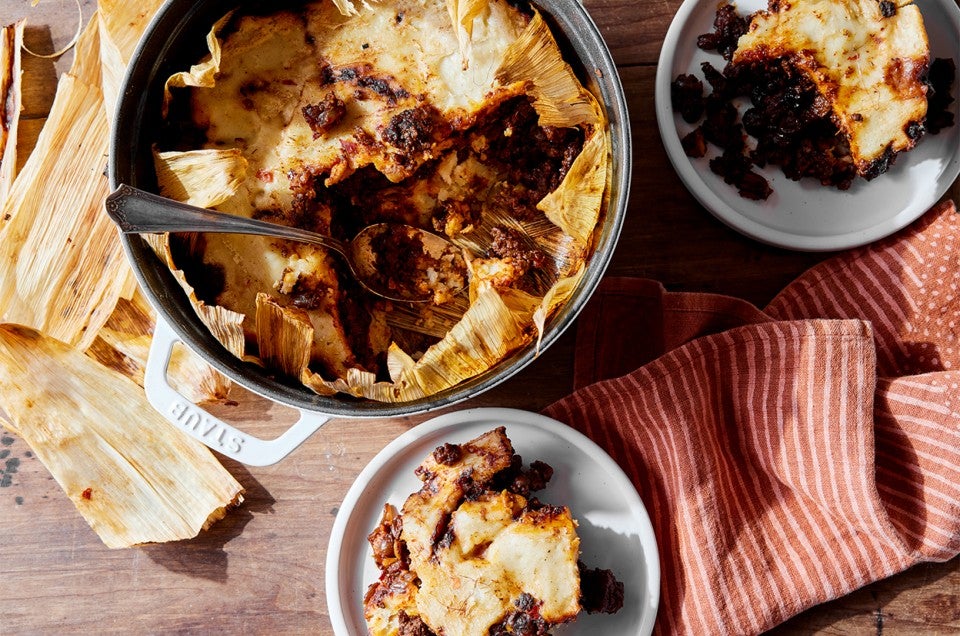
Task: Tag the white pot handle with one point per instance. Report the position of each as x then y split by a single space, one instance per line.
212 431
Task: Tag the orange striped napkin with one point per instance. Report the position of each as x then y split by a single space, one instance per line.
791 455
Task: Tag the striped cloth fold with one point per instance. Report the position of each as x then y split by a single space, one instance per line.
791 455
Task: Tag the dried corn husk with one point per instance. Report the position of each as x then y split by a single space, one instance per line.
64 266
69 269
559 98
11 39
202 74
285 335
225 325
86 66
575 205
192 176
346 7
462 15
130 473
556 297
496 324
121 25
204 178
124 342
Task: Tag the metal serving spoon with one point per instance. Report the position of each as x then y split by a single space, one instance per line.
440 270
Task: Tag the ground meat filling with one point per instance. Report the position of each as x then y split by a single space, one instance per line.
600 590
940 79
448 454
413 626
728 26
790 121
522 481
509 243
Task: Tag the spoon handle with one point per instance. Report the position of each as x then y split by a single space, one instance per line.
138 212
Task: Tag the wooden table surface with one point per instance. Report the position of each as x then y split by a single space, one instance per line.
262 568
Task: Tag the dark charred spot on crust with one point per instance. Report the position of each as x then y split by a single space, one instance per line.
347 74
439 537
888 9
600 591
325 115
525 621
363 78
413 130
383 88
448 454
914 130
880 165
446 540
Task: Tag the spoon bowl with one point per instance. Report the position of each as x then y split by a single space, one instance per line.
395 261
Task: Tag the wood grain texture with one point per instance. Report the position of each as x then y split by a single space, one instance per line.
261 569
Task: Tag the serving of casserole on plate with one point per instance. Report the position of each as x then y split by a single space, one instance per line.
870 69
613 527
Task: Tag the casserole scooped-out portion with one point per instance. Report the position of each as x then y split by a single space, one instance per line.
458 117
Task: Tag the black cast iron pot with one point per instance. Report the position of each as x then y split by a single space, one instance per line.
173 41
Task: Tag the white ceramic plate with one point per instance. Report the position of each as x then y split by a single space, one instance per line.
805 215
614 529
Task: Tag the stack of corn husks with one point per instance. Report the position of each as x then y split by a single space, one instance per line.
74 329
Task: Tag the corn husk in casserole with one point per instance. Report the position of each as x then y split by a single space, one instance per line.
455 65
